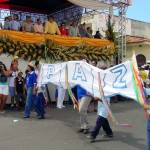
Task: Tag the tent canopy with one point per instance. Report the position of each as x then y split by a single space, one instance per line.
46 6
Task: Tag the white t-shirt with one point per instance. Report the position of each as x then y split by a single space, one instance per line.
102 111
12 78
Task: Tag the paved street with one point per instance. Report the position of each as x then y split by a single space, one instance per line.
58 130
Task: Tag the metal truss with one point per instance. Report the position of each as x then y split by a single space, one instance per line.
76 12
22 15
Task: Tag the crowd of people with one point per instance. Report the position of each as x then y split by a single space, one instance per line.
49 27
27 91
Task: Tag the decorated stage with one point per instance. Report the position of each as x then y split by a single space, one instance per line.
30 46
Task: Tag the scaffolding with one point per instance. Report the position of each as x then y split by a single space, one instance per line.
76 12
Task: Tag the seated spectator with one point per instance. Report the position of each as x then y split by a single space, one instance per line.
74 30
82 31
27 26
38 27
51 26
7 25
63 30
89 32
97 35
15 24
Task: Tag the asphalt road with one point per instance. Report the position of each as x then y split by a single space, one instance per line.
59 130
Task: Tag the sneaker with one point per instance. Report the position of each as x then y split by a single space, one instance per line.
26 117
95 110
108 136
80 130
2 112
63 106
59 107
41 117
86 131
91 138
12 106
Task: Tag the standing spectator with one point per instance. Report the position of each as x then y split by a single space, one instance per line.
74 30
19 89
38 27
27 26
97 35
89 32
11 84
143 75
15 24
82 31
1 27
7 25
37 68
14 62
3 86
51 26
101 122
31 89
63 30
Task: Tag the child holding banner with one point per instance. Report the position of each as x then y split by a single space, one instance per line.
101 121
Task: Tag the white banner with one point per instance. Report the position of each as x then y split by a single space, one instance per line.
115 80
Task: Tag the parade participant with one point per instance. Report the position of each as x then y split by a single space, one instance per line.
7 25
11 84
19 89
94 63
15 24
147 107
84 99
31 81
27 25
3 86
101 121
40 101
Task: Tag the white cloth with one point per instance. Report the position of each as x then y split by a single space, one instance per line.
12 78
61 96
148 81
102 111
4 89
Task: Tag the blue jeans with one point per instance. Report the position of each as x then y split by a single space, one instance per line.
29 101
101 122
148 133
39 104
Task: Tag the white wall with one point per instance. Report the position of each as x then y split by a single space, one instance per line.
143 49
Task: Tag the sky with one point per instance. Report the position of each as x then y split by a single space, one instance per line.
140 10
